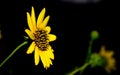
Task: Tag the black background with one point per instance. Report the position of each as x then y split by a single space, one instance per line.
71 23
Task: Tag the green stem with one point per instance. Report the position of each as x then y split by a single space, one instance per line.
80 69
22 44
89 50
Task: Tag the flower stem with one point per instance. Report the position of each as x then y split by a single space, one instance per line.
93 36
19 46
79 69
89 50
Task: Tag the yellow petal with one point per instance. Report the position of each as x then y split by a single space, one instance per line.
102 51
52 37
110 53
43 58
30 34
40 17
44 23
48 56
31 48
33 18
48 62
49 53
29 21
111 63
36 56
48 29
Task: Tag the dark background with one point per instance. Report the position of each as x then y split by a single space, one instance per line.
71 23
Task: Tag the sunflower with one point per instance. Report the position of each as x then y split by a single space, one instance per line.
110 61
39 34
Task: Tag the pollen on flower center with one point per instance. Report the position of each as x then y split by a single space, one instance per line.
41 39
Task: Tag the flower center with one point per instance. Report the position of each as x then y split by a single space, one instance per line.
41 40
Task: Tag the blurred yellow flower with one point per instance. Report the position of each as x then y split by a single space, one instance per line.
39 33
110 61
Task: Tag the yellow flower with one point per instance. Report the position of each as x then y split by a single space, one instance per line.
39 33
110 61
